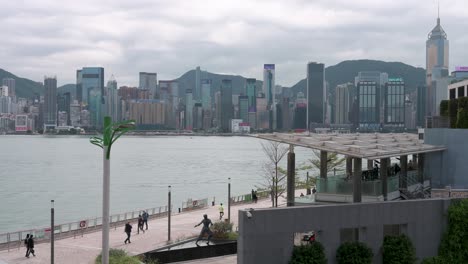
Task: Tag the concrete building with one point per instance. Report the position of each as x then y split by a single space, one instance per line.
112 101
148 81
458 89
316 93
437 62
343 100
227 111
50 102
63 105
75 114
11 84
148 113
4 90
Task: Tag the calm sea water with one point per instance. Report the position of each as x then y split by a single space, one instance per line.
68 169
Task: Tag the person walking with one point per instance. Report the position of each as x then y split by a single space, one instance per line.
145 219
128 230
205 229
221 211
26 240
255 197
31 246
140 224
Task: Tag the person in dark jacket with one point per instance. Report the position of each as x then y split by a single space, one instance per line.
145 219
140 224
31 246
128 230
205 229
26 240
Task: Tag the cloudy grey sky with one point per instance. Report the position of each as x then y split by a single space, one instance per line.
56 37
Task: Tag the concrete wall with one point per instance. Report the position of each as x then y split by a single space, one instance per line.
447 168
267 237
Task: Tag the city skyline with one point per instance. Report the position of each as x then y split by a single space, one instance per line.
217 38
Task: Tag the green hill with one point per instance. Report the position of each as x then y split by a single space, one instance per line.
24 88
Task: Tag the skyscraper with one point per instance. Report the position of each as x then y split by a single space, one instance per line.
226 105
269 90
206 94
63 105
50 102
189 109
343 102
90 78
148 81
395 102
437 59
244 108
112 100
251 92
197 93
315 93
11 83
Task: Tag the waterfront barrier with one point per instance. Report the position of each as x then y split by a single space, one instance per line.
15 239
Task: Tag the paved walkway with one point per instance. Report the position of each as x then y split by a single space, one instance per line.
85 249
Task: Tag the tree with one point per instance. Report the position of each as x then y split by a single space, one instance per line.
275 152
334 161
273 181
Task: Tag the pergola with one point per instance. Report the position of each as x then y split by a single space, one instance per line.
358 146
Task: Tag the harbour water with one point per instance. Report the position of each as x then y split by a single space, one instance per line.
68 169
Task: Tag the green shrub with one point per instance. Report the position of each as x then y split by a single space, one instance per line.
313 253
444 108
453 111
398 250
434 260
118 256
454 245
354 253
222 229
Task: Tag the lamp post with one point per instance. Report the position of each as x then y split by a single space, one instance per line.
111 133
52 231
229 200
169 214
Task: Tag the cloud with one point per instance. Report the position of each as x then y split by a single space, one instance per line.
50 37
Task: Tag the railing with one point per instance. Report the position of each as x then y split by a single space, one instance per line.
78 228
341 185
194 204
247 198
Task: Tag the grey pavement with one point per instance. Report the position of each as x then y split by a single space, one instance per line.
85 249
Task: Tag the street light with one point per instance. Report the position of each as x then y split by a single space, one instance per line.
229 200
52 231
110 133
169 214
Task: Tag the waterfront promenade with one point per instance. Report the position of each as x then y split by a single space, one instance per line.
85 249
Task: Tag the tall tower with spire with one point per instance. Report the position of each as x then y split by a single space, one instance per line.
437 59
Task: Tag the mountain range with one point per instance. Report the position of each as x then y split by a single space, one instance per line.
337 74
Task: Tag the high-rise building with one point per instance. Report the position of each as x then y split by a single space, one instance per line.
147 113
79 87
251 92
90 78
11 84
217 119
206 94
316 94
226 105
269 90
300 112
63 105
75 112
197 92
343 101
148 81
285 117
421 106
50 102
244 108
189 103
437 59
395 103
112 102
4 90
197 116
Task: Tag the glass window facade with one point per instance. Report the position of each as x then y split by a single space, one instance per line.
395 103
368 98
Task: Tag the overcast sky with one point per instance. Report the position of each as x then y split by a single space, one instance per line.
45 37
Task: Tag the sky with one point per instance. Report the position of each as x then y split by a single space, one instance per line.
51 37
